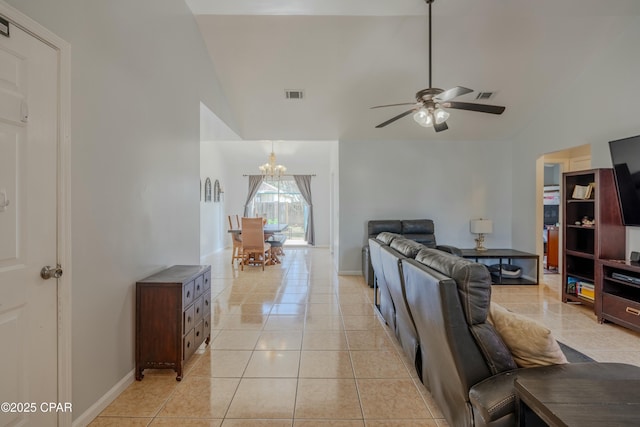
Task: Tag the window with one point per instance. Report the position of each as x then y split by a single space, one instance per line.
280 201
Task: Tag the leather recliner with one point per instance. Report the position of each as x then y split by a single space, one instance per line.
419 230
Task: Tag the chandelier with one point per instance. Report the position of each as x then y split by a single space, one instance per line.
270 169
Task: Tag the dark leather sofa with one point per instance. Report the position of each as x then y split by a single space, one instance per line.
418 230
440 320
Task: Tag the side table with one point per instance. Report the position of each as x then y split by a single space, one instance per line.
577 402
527 261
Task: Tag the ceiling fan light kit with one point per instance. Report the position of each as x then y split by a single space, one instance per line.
427 118
428 110
423 117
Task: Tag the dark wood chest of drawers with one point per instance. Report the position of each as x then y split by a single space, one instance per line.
173 317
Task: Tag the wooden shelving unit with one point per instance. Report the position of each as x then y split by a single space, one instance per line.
586 243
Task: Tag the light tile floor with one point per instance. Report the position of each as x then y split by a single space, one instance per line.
298 345
574 324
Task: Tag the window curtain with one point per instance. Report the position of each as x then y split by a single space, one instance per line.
254 185
304 185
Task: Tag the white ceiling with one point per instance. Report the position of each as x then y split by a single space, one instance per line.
349 55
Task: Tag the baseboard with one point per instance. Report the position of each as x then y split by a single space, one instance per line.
304 245
205 258
94 410
350 273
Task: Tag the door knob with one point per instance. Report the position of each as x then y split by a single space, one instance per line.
49 272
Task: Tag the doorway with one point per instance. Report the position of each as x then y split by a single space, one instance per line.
549 216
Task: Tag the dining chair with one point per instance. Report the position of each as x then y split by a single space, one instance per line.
231 222
276 241
254 249
236 239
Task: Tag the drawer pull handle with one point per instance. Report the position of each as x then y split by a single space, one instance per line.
633 311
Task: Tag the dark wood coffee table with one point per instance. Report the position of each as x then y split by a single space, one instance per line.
578 402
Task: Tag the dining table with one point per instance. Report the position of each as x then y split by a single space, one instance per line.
269 229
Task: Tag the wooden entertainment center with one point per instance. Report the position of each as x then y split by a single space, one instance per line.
595 272
618 290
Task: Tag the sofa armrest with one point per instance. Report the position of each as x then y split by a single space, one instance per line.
367 268
451 249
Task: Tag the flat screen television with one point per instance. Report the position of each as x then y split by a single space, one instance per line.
625 156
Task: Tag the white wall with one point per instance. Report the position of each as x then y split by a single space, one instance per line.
600 105
135 164
300 157
213 219
448 182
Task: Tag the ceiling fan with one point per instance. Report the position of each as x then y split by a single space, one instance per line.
429 108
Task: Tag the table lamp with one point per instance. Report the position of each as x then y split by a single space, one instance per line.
480 227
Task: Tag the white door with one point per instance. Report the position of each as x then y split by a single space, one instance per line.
28 196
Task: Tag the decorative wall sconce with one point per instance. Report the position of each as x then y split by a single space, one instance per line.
217 191
4 202
207 190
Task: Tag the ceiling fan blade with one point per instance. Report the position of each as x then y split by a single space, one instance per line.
392 105
393 119
482 108
440 127
454 92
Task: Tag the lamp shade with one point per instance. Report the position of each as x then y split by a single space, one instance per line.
481 226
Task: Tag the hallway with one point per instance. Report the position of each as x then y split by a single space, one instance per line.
298 345
293 345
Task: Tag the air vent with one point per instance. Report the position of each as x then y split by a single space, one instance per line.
294 94
484 95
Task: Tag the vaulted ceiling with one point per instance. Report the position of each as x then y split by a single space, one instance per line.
349 55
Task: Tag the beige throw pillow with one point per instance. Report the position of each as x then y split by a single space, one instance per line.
531 344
